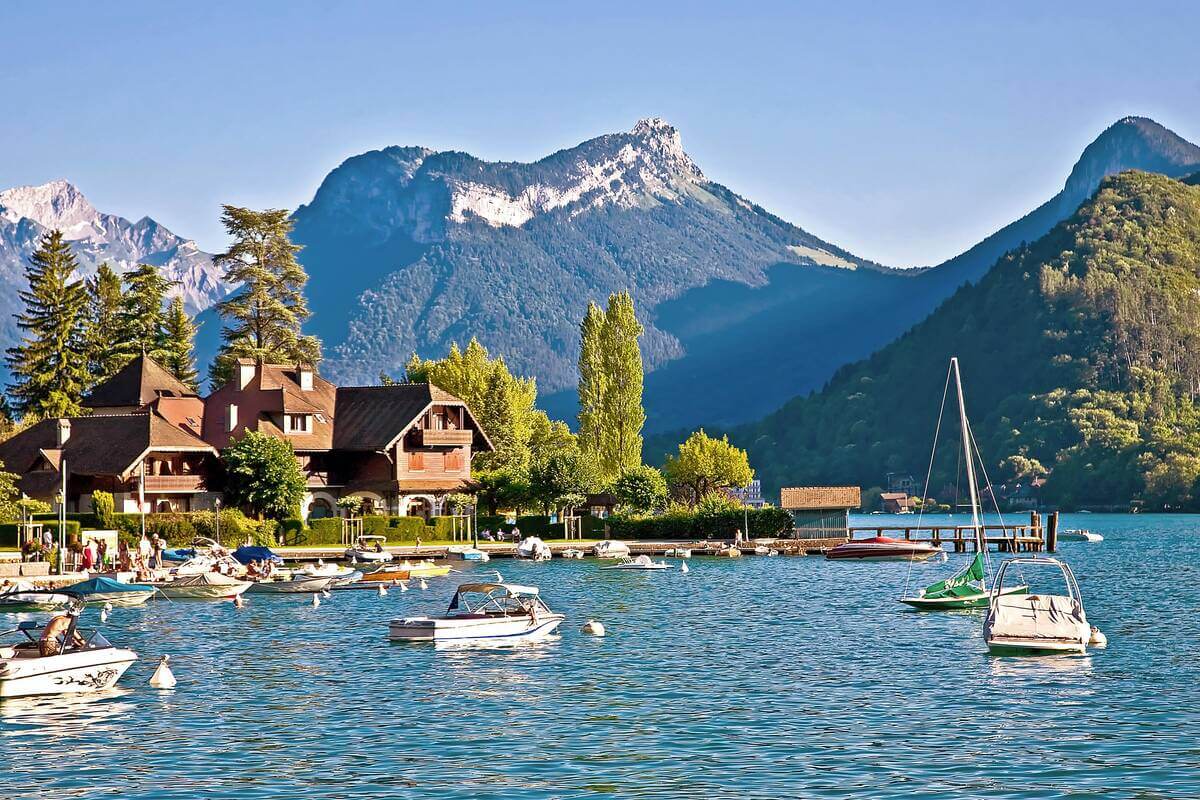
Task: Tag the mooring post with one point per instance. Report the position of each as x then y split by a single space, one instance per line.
1052 532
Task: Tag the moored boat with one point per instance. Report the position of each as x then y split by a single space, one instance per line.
205 586
964 590
96 591
533 548
466 553
368 549
59 658
289 584
338 575
1037 623
1079 535
423 569
642 562
483 614
611 548
385 573
24 597
573 552
882 548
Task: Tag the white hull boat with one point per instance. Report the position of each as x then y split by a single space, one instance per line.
101 591
337 574
1037 624
611 548
293 585
208 586
369 549
1079 536
571 552
37 667
468 554
534 549
483 615
642 562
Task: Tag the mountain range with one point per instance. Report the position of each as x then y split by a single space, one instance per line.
27 213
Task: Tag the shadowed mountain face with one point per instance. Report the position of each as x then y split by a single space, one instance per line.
409 249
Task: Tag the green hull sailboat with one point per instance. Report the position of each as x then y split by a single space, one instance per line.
967 589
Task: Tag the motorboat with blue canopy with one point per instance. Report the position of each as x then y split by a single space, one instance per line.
248 552
101 590
483 614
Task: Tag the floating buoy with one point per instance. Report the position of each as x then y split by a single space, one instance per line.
1098 640
316 600
163 678
382 590
593 628
238 602
423 584
104 615
404 587
683 567
325 593
108 606
353 559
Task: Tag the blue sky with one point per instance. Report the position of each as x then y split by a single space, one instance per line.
904 132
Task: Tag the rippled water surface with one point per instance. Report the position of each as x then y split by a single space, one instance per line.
763 678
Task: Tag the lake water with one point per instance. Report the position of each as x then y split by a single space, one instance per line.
749 678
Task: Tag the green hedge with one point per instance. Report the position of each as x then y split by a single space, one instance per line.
86 520
9 532
291 530
408 529
764 523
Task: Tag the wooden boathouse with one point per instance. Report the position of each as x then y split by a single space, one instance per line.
820 512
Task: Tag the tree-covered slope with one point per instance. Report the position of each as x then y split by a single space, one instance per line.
1081 350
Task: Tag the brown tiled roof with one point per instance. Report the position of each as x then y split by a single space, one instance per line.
372 417
101 444
137 384
274 390
820 497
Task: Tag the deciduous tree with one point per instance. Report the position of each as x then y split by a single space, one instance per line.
264 476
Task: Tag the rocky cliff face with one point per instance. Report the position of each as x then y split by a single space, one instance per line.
410 249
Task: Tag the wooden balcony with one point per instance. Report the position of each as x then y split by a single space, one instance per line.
174 483
445 438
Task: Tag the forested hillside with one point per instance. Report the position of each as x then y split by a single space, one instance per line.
1080 351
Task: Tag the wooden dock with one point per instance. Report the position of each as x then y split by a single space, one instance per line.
1028 537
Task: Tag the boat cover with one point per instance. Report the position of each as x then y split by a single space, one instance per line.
247 553
102 586
1038 616
178 554
964 584
206 579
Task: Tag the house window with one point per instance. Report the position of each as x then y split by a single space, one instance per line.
298 423
454 462
231 418
416 461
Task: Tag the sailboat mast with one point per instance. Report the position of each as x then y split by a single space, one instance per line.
972 486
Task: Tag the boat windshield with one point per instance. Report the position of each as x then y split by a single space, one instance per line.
496 600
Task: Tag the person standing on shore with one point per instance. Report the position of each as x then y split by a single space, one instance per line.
144 552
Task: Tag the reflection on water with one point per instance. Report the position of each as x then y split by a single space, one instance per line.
749 678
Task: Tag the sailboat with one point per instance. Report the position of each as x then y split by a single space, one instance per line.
968 588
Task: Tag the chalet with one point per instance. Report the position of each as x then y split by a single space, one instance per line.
141 443
155 444
820 512
400 448
897 502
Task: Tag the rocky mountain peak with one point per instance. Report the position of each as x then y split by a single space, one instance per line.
57 204
1130 143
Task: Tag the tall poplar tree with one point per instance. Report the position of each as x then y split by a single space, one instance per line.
592 380
49 366
103 324
179 335
140 329
611 378
263 319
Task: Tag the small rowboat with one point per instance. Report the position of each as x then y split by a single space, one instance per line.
882 548
386 574
423 569
297 584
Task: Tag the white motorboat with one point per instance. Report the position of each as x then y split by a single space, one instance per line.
483 614
467 553
59 658
290 584
206 586
1079 535
23 596
369 548
762 550
611 548
534 549
101 590
882 548
642 562
679 552
1036 623
340 575
572 552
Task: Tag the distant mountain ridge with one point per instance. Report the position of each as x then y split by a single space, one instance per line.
27 213
418 248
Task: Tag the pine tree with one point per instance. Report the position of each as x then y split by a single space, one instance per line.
49 366
140 321
103 324
179 334
263 319
591 381
624 415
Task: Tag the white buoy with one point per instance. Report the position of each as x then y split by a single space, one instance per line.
107 606
325 593
382 590
353 559
238 602
683 567
104 615
423 584
1098 640
404 587
593 628
163 678
316 600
